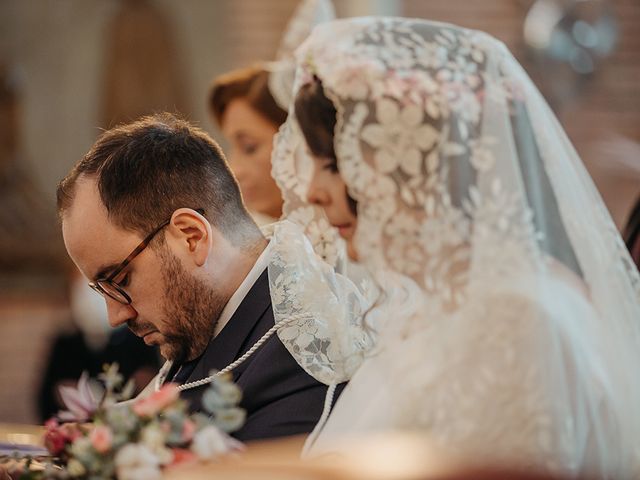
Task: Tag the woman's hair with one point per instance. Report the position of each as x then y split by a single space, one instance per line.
316 116
250 84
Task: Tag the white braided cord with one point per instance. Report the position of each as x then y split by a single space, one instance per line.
203 381
328 402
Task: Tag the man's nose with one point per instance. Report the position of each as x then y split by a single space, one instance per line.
119 313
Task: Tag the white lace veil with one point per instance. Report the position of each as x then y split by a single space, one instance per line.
307 15
292 177
524 342
320 310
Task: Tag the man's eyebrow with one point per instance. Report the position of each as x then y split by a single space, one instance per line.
105 270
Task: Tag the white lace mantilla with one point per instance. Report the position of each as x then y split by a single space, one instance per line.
330 338
523 342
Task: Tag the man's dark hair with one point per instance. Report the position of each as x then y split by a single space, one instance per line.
147 169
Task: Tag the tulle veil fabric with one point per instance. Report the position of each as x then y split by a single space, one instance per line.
510 305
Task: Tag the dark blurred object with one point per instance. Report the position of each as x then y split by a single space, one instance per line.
632 233
30 243
568 39
142 75
71 354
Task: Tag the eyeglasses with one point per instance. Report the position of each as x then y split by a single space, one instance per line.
107 286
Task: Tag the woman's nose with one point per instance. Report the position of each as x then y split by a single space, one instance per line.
239 168
317 194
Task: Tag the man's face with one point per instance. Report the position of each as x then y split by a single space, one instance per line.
170 306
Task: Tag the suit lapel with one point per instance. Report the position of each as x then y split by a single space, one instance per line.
236 337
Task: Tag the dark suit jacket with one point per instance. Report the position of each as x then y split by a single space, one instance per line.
279 396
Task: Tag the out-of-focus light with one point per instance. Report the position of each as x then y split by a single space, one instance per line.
540 22
585 34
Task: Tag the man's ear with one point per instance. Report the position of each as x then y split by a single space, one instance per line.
192 233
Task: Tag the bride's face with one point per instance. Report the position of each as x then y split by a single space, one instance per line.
328 190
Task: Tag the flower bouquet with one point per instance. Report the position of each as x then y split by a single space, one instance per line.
134 439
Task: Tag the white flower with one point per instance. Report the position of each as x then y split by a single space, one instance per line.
466 104
210 442
137 462
431 55
473 47
80 401
75 468
482 156
153 436
121 419
82 448
399 137
351 84
353 78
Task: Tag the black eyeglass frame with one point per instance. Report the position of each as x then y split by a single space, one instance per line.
98 284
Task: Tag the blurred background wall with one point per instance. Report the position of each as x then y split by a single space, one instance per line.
64 63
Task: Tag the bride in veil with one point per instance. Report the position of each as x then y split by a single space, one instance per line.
508 307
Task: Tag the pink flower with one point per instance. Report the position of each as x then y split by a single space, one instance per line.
71 431
80 402
182 456
157 401
188 430
101 438
51 423
54 438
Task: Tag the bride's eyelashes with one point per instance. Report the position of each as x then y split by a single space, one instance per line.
330 165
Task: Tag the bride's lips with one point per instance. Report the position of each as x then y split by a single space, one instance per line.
345 229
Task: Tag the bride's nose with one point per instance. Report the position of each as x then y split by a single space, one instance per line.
317 194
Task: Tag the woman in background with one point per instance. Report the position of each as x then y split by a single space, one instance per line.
249 105
244 109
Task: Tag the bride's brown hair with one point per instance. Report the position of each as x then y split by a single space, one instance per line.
316 116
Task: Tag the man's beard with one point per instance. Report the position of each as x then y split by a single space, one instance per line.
192 310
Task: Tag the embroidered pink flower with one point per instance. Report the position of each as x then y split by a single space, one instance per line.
157 401
101 438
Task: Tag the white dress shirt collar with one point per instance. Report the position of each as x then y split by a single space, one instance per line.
236 299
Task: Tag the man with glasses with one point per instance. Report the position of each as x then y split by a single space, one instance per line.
153 217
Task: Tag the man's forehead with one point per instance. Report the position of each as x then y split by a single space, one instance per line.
86 213
91 239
